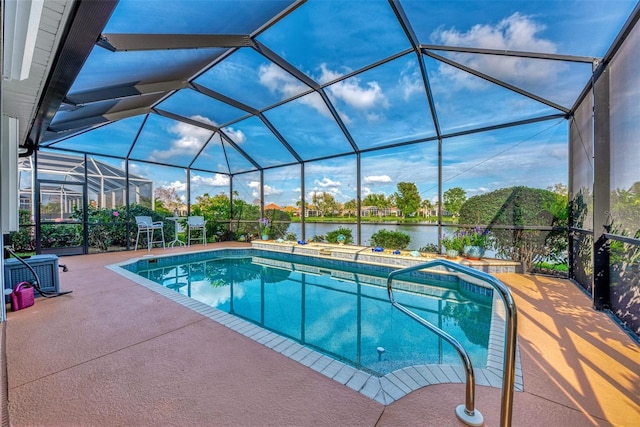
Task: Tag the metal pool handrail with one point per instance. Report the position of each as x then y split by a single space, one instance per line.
467 413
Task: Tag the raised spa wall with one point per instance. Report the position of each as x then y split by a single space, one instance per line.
366 255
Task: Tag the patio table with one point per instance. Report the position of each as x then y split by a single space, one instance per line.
178 228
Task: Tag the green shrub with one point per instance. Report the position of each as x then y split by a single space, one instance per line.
332 236
390 239
23 240
453 242
107 228
552 266
291 236
519 207
60 235
279 223
431 248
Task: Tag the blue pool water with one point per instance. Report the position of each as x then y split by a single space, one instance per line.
337 308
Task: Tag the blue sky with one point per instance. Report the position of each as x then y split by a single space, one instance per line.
327 40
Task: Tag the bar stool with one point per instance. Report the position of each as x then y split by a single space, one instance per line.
148 226
197 223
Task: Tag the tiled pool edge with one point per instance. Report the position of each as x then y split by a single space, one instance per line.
384 390
364 255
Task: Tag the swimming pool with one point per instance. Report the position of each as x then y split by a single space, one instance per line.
336 308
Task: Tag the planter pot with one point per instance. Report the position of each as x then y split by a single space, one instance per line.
452 253
265 237
474 252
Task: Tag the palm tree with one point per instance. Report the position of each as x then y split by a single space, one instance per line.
426 206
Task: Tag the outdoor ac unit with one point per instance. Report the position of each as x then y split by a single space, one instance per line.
45 266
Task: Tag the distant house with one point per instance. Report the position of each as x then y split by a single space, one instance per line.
375 211
297 210
292 210
273 206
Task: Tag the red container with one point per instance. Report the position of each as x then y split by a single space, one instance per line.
22 296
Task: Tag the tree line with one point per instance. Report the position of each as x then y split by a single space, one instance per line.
406 199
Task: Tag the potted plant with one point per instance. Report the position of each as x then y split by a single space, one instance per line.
453 244
475 242
264 227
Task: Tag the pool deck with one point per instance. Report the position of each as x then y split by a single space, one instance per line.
114 353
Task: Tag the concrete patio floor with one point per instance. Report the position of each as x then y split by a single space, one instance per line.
114 353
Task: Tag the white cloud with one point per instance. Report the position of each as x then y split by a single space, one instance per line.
476 191
285 85
218 180
377 179
352 92
452 78
411 81
190 140
134 168
315 101
518 33
358 95
327 182
327 75
236 136
268 190
279 81
204 119
179 186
